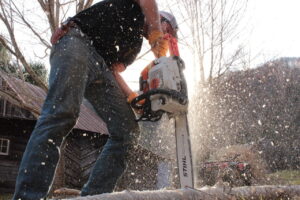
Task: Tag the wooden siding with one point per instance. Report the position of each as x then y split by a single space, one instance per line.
11 111
79 154
8 174
18 132
80 151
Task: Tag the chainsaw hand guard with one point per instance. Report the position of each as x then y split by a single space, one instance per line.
148 113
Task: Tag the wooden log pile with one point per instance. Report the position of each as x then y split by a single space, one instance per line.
217 192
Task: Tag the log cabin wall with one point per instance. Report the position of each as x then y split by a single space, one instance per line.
17 132
11 111
81 150
20 103
78 156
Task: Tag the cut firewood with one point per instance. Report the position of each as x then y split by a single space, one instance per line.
66 192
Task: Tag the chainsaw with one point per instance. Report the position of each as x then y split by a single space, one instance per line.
164 90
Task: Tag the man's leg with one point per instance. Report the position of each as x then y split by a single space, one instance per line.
110 103
67 83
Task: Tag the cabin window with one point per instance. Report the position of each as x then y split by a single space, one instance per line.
4 146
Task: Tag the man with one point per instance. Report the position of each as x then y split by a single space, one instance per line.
168 26
158 137
86 52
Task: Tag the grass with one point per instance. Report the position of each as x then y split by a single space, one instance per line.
285 177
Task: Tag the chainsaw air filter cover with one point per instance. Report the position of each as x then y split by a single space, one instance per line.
165 74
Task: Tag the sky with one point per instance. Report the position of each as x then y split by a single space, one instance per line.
271 31
276 29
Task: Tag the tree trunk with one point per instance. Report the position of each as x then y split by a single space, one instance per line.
205 193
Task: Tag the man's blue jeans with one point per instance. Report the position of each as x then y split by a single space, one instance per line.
77 71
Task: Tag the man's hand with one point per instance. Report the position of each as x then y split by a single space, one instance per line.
118 67
159 45
153 29
130 98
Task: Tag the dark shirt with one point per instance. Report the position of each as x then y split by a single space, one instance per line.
115 28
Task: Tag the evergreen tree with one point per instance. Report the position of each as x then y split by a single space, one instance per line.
5 59
40 70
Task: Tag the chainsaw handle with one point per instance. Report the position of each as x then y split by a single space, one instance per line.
182 98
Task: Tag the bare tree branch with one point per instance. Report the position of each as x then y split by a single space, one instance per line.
4 43
68 2
213 24
80 5
51 10
11 15
42 4
31 28
57 13
16 47
88 4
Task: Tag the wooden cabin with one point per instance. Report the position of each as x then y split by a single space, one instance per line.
20 106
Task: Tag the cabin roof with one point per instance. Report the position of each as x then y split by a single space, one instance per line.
32 98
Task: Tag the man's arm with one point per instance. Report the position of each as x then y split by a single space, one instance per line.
116 69
152 18
153 30
123 85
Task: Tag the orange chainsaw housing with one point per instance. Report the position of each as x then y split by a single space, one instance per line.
174 51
